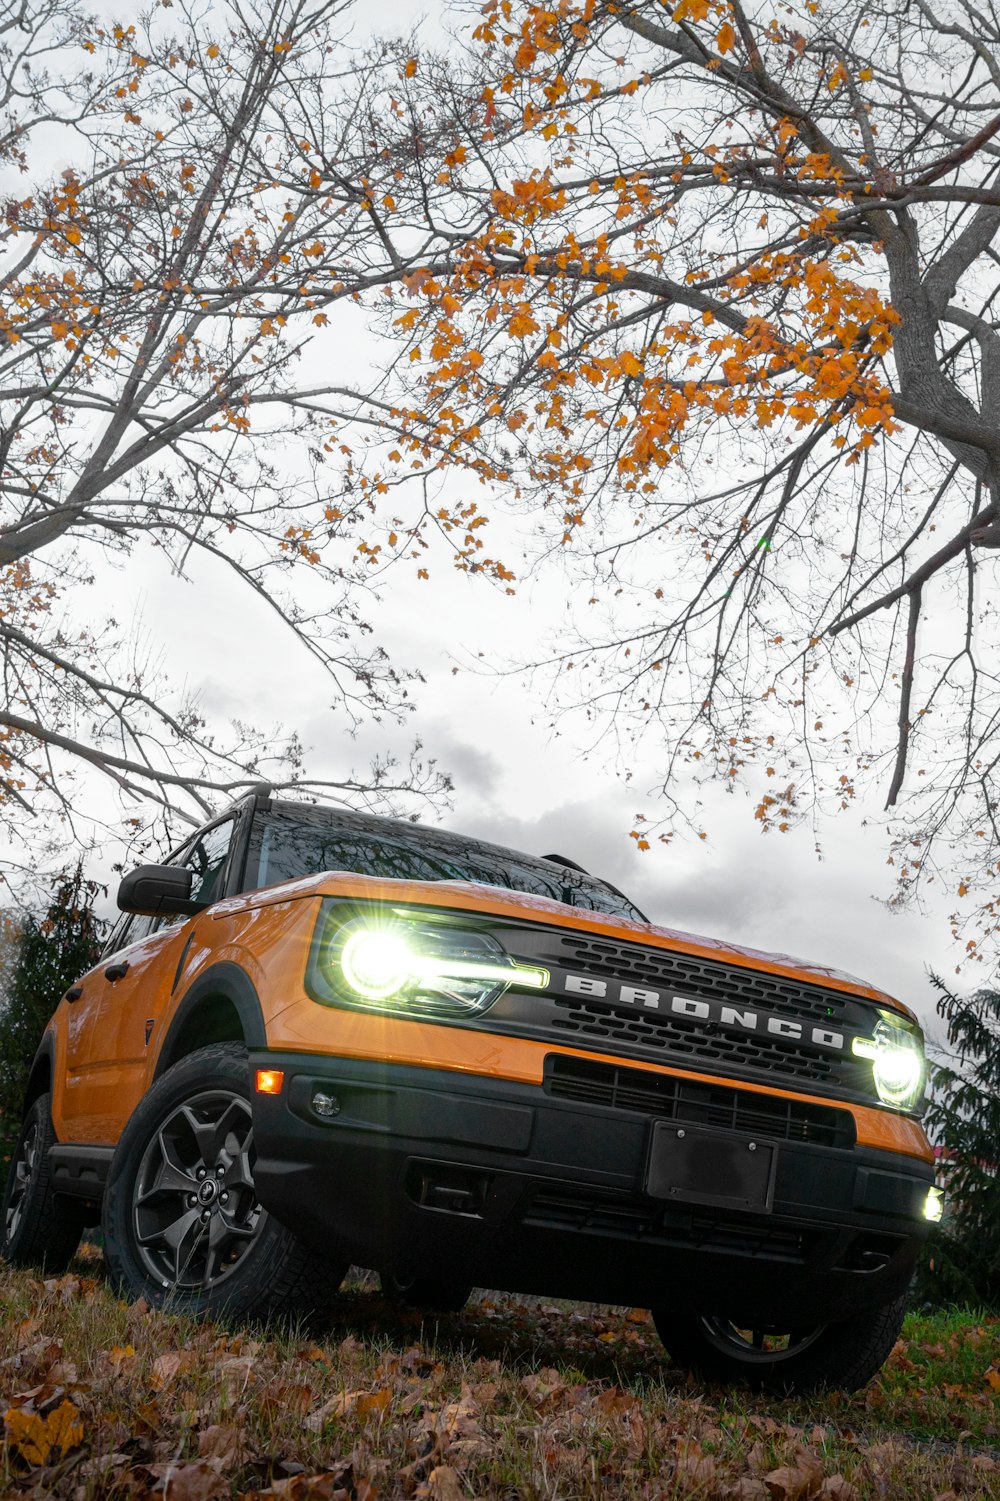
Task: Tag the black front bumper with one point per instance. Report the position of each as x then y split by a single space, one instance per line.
504 1186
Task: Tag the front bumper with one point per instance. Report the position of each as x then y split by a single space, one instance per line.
505 1185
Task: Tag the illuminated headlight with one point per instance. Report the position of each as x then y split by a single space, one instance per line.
414 965
375 962
897 1058
934 1205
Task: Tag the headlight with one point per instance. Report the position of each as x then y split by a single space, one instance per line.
897 1058
412 964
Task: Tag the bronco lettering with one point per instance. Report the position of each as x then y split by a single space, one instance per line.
702 1010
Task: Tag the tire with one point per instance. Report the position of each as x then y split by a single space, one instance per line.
436 1294
37 1226
182 1223
843 1355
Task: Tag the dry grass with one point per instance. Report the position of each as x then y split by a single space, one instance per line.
511 1398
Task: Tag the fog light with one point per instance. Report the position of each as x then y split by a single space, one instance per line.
325 1104
934 1207
270 1080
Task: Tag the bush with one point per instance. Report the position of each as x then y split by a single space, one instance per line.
963 1119
49 953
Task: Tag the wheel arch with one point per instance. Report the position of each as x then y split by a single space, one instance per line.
221 1006
42 1073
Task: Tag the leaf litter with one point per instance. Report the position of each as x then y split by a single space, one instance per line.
511 1398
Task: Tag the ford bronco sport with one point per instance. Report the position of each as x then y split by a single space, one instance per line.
319 1038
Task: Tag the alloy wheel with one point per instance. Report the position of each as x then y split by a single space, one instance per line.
195 1210
764 1345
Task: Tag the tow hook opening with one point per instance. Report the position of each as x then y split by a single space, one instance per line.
448 1188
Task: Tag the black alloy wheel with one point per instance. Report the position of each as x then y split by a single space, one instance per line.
760 1347
183 1226
195 1212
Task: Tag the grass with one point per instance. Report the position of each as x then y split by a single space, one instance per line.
511 1398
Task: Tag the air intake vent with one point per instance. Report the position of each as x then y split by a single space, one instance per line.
688 1100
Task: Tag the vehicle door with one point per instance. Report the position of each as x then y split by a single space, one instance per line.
113 1027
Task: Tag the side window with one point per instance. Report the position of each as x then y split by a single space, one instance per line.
207 858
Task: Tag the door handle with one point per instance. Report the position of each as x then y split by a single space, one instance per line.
116 971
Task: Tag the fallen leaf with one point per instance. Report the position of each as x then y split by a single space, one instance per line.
222 1446
35 1437
616 1403
167 1367
695 1471
323 1487
190 1482
794 1482
543 1389
836 1488
442 1484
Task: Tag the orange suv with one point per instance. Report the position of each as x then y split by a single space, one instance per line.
319 1038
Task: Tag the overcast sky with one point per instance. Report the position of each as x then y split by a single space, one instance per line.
519 783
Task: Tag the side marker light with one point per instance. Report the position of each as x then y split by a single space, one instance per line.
270 1080
934 1207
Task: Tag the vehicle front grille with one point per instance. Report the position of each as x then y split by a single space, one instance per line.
683 1040
663 1033
665 969
689 1100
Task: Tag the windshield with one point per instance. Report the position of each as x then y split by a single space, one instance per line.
298 841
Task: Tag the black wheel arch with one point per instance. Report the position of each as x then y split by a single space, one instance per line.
43 1072
222 1005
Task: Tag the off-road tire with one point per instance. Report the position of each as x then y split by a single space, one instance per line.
275 1275
844 1356
435 1294
38 1227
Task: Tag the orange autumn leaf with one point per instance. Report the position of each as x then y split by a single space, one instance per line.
34 1438
725 38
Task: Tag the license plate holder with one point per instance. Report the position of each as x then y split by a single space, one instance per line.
692 1166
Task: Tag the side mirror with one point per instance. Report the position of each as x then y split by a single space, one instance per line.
159 891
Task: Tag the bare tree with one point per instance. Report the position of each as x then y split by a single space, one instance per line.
723 296
175 299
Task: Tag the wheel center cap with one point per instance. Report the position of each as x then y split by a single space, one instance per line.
207 1191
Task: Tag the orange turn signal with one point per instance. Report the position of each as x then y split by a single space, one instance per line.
270 1080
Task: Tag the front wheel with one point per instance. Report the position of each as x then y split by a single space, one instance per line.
38 1227
182 1222
843 1355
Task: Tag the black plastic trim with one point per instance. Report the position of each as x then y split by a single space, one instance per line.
80 1172
234 985
45 1056
422 1170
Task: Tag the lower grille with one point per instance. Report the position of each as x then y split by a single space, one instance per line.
696 1103
633 1219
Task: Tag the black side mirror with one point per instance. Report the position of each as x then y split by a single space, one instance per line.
159 891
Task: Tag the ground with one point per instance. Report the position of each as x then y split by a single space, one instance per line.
510 1399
